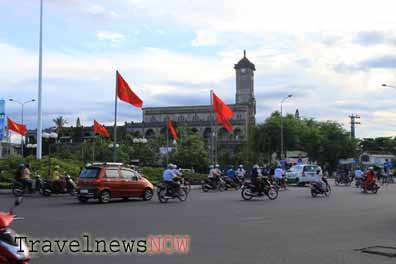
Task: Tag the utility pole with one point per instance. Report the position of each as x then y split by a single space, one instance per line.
353 124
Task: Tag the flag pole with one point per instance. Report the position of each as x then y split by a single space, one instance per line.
115 122
212 145
39 107
167 141
93 148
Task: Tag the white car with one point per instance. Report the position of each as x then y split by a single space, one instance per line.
303 173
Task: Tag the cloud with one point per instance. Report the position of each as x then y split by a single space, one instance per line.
204 38
369 38
110 36
385 62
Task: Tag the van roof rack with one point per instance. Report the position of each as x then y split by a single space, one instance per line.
104 164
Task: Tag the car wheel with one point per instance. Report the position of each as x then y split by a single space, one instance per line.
82 199
105 197
147 194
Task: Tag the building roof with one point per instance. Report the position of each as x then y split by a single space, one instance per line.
244 63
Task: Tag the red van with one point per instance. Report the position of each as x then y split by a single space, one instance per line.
112 180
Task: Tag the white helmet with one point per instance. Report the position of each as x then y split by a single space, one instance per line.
217 166
240 166
255 166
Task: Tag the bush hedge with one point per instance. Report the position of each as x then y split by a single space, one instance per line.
9 165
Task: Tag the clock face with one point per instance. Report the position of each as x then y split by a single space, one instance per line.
243 70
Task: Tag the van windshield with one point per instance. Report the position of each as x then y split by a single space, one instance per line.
89 173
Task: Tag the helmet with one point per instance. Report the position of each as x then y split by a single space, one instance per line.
170 166
211 167
240 166
21 165
370 168
56 167
255 166
174 166
217 166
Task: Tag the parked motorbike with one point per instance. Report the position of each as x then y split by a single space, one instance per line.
12 250
208 185
165 193
317 188
19 189
249 190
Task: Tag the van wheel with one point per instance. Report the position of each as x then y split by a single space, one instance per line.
104 197
147 194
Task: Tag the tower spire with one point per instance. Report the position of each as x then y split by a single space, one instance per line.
244 53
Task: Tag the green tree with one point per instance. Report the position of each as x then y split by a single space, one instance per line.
59 122
190 152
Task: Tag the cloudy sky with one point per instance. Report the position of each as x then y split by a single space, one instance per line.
332 56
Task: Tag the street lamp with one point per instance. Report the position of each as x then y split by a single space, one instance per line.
22 104
284 99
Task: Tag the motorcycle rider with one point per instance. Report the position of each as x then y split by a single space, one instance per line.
231 174
23 176
57 183
214 174
370 178
358 173
322 182
278 176
256 179
240 172
169 177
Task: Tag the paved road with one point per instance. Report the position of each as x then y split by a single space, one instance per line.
224 229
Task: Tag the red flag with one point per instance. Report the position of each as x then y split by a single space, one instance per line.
226 123
126 94
19 128
221 108
100 129
172 129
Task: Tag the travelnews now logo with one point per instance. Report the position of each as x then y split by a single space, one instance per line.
87 245
168 244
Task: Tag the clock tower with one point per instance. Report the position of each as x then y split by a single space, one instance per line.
244 71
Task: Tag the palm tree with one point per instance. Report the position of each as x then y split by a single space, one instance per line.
60 122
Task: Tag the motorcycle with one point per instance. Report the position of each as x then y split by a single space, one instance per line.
343 180
165 193
208 185
67 185
358 182
12 250
230 183
372 187
317 188
249 190
19 189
